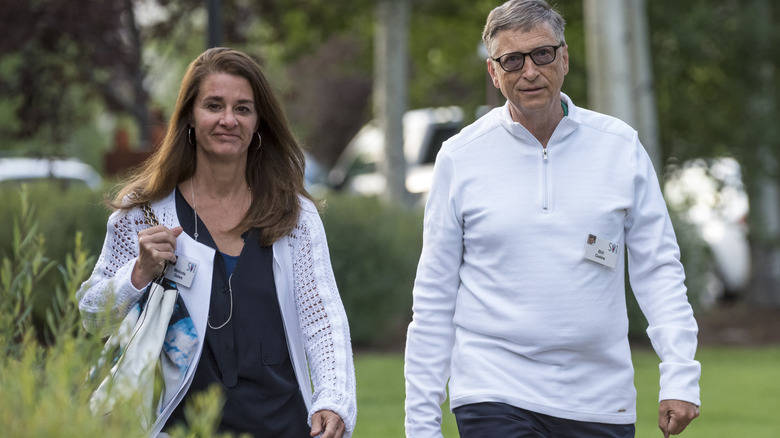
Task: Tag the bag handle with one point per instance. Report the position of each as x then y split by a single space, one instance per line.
151 219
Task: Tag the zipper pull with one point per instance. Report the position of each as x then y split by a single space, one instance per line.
545 153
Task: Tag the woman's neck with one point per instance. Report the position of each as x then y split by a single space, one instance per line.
220 180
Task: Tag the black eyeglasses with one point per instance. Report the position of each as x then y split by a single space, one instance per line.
516 60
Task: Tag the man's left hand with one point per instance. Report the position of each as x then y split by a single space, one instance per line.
327 423
675 415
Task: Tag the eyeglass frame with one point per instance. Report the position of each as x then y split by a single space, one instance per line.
528 54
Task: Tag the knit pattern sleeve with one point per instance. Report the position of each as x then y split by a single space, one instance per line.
323 320
107 295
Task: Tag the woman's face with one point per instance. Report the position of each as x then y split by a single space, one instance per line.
224 116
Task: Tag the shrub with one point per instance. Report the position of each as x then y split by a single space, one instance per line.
374 249
60 213
45 390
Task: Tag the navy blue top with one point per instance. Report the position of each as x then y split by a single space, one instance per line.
248 357
230 263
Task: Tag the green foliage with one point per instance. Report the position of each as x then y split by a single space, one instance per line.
202 414
696 258
61 213
20 273
445 66
715 75
45 386
374 250
39 382
68 54
62 316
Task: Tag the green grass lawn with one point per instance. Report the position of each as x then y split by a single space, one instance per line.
740 395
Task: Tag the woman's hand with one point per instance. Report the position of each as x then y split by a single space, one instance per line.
327 423
156 246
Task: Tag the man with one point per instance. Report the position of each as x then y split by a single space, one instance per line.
511 304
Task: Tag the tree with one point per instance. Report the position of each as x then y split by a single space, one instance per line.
390 89
619 70
56 57
762 109
717 90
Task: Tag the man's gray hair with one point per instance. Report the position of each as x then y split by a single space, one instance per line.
524 15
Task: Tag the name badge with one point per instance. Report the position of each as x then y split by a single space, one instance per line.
601 251
183 271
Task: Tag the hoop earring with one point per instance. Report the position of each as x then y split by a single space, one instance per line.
259 141
191 136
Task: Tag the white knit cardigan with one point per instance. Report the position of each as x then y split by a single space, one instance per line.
314 317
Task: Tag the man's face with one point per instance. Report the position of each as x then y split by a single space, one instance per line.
534 90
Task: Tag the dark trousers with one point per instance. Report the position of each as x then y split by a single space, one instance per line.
482 420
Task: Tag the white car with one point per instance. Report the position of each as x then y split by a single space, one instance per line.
711 195
425 130
70 170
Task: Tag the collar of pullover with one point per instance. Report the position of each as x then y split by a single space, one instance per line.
565 127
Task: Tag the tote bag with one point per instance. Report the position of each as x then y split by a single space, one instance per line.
139 341
136 348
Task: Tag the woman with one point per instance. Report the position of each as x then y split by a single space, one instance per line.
227 188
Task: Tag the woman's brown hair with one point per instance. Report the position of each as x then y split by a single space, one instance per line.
275 172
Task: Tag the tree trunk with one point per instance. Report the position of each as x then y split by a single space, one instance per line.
620 76
139 104
390 88
764 187
214 38
643 90
764 287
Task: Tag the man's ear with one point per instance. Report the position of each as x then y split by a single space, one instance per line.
491 66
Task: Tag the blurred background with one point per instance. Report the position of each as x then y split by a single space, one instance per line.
372 88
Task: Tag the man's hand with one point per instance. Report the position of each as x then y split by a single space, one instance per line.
327 423
675 415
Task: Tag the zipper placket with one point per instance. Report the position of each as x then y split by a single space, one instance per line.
545 188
